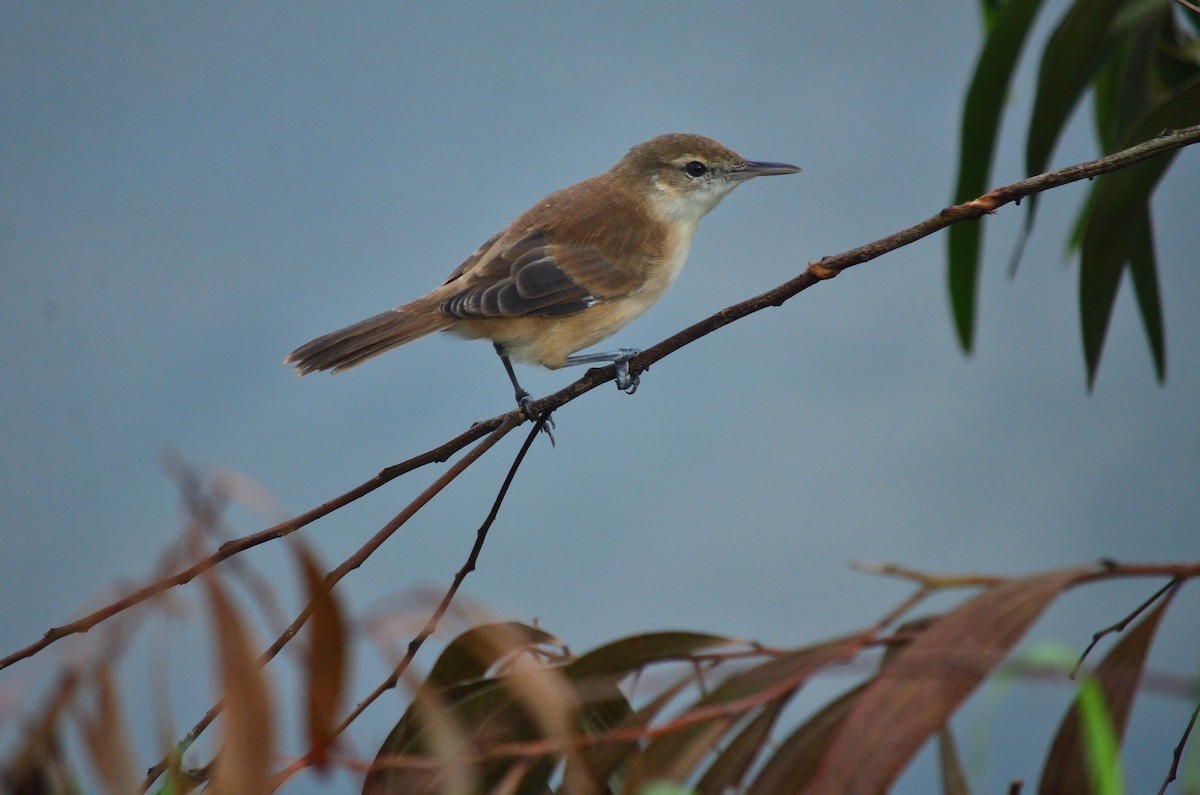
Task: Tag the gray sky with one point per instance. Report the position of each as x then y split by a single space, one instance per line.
189 192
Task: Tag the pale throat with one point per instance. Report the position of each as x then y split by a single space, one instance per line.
686 207
681 211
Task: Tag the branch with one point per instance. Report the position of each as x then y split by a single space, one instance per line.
1119 626
497 427
350 564
826 268
1173 772
230 548
435 617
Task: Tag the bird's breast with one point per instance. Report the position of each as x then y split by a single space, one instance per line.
663 273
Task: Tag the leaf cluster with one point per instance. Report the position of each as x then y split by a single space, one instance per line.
564 724
1140 60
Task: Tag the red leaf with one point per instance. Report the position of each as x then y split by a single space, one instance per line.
242 766
1117 675
915 694
326 672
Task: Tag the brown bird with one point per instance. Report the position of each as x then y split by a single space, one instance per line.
572 270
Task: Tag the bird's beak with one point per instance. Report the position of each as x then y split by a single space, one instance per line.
755 168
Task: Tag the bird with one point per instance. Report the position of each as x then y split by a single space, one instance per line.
570 271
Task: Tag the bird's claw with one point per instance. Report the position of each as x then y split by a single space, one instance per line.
525 402
625 382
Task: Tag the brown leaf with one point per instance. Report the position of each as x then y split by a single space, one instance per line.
39 768
105 738
1118 674
795 761
243 764
954 781
326 672
725 774
674 755
458 712
605 759
915 694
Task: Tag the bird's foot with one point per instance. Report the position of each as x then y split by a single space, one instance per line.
525 403
625 382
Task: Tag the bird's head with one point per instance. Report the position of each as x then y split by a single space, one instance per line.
683 176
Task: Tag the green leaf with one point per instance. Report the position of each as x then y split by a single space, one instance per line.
1103 753
1074 53
1008 28
1080 44
666 788
989 9
1124 86
1144 270
1119 219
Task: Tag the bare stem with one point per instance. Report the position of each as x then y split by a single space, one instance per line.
350 564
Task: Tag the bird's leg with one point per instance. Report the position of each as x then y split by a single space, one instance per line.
523 398
620 359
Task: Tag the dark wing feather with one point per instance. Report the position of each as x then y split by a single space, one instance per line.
527 277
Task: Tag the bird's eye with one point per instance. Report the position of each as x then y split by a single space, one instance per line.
694 168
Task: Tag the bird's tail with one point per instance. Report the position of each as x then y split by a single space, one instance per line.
345 348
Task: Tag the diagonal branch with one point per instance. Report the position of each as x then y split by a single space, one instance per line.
435 618
826 268
230 548
345 567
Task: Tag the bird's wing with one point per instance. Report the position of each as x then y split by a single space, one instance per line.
530 276
470 261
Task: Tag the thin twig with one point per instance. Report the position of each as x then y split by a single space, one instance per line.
351 563
816 271
435 618
826 268
1124 622
1173 773
468 566
926 584
730 710
837 662
230 548
928 580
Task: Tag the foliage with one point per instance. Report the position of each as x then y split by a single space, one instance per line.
506 707
1142 67
540 720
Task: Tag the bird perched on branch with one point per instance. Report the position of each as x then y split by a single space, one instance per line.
571 271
